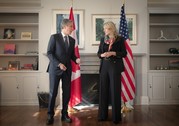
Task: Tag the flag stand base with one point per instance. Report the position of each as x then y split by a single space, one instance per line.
126 108
72 110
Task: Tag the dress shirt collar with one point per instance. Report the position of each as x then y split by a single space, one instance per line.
64 35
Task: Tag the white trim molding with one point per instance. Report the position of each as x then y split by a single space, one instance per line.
144 100
20 3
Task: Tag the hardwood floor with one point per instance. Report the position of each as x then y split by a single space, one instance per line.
158 115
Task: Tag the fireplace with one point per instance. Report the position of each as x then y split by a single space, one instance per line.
90 88
90 78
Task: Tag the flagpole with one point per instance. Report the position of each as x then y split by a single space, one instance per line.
123 1
71 3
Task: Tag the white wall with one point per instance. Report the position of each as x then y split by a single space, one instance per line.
97 7
90 7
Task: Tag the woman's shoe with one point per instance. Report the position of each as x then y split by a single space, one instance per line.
102 120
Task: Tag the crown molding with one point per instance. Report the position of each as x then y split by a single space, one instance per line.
164 4
20 9
20 6
20 3
173 10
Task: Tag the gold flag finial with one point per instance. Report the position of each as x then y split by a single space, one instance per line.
72 3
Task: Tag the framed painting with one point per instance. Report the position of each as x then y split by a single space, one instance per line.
9 48
97 26
9 33
14 65
59 15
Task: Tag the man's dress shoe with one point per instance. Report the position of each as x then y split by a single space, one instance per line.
115 122
66 118
50 120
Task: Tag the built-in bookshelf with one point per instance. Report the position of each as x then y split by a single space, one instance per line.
163 87
163 38
20 30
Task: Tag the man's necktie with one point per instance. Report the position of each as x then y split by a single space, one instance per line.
66 43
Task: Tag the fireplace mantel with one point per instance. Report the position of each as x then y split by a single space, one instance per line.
90 62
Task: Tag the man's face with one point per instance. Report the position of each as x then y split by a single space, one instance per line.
68 29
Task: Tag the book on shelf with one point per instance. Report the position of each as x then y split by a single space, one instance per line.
9 49
27 67
174 64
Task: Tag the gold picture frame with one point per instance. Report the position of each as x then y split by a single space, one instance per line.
14 65
99 19
26 35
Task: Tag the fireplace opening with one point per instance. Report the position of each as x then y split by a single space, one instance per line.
90 89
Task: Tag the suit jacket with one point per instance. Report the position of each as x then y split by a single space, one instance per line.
118 47
57 53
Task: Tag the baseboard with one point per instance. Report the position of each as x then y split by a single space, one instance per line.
144 100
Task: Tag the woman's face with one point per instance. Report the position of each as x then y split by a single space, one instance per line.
107 30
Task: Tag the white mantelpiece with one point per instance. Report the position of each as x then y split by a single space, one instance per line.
90 62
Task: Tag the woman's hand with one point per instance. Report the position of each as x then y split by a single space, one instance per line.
108 54
103 55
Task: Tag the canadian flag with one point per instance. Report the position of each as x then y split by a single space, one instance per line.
76 75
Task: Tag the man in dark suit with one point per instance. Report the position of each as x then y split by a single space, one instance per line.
60 52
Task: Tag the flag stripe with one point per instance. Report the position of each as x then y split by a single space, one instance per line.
128 76
126 88
130 69
128 47
128 80
123 96
128 65
76 97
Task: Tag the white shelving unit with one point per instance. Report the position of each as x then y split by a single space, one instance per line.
163 35
163 82
26 49
19 87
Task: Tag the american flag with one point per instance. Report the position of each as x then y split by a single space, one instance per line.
76 75
128 78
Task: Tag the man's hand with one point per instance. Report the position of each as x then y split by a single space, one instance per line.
62 67
78 60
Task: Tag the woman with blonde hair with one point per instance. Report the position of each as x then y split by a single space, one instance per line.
111 51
